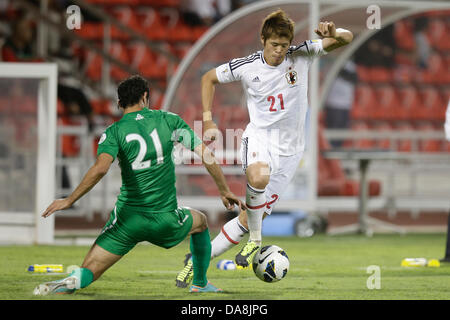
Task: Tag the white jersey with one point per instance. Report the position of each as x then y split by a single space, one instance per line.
276 96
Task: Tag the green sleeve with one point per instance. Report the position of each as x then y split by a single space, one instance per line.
182 133
108 143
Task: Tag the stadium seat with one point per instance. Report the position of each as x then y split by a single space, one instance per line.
403 74
404 145
362 143
177 29
101 106
386 104
434 106
161 3
127 16
428 145
94 62
435 72
403 34
410 103
70 144
364 101
93 65
91 30
152 24
380 74
437 33
363 73
119 51
143 59
332 180
383 126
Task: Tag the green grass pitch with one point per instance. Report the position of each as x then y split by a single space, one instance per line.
321 268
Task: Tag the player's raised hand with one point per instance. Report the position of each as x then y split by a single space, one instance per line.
229 199
57 205
210 131
326 29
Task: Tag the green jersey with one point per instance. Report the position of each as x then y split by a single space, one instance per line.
143 142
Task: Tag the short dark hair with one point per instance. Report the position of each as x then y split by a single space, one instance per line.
131 90
278 24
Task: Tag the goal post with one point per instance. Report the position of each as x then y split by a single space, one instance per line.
28 100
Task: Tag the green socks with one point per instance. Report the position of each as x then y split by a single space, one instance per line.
85 277
201 255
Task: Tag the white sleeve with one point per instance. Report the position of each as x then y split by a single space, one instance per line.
225 74
447 122
309 48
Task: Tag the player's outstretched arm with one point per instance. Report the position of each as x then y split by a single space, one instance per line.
209 80
90 179
333 38
229 199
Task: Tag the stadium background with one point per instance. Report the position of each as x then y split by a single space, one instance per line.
399 104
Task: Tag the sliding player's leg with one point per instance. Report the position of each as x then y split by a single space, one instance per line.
108 248
96 262
197 266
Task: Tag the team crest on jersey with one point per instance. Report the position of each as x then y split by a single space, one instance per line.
102 138
291 76
139 117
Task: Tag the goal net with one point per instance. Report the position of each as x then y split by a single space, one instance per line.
27 151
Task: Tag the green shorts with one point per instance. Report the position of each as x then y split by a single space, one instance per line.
129 225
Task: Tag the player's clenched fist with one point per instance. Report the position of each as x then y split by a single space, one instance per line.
326 29
210 131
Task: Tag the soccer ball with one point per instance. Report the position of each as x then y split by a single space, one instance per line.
271 263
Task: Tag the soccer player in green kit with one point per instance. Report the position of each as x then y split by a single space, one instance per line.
146 208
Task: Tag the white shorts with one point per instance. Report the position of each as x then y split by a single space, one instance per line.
282 168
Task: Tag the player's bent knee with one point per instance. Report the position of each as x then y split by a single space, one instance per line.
257 178
200 222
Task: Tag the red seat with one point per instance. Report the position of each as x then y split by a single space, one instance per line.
380 74
410 103
93 65
433 74
94 62
119 51
161 3
428 145
177 29
91 30
363 73
364 101
152 24
127 16
101 106
434 106
70 143
362 143
331 177
437 33
403 34
383 127
386 105
143 59
404 145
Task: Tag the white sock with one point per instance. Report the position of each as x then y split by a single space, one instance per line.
230 235
256 204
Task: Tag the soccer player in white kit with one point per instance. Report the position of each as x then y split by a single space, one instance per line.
275 81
